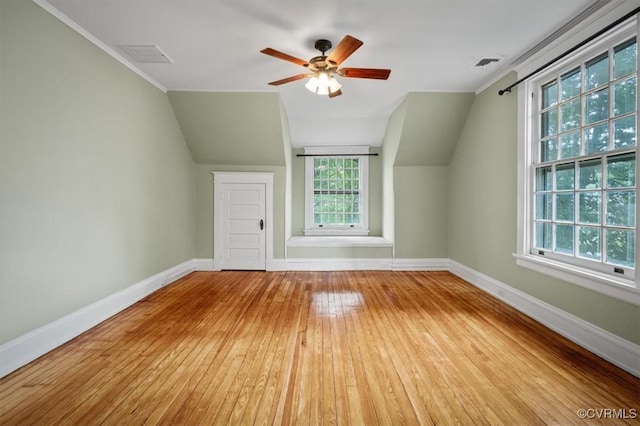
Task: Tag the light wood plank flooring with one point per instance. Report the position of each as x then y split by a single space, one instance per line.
359 348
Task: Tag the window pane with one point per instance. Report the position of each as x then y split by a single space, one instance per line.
564 207
621 171
621 245
621 208
589 242
564 239
590 174
590 207
543 179
565 176
549 123
624 94
597 106
543 206
625 133
624 59
570 84
333 196
570 115
543 235
596 138
549 150
549 95
597 72
570 145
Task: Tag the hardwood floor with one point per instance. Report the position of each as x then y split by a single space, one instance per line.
318 348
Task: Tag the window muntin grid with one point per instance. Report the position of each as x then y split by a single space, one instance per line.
584 186
336 192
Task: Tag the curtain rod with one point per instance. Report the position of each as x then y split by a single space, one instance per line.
336 155
573 49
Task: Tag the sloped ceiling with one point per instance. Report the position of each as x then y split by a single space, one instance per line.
431 127
238 128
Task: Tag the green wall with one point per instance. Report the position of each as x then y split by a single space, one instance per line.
239 128
96 180
482 216
421 211
431 127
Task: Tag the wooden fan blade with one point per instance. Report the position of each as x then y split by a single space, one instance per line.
288 79
376 73
336 93
344 49
277 54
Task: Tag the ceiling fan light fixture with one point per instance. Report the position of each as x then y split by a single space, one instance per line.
334 85
322 84
312 84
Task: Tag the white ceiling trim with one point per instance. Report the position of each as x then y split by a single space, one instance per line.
599 18
583 19
84 33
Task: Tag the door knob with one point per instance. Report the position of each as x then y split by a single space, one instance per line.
261 224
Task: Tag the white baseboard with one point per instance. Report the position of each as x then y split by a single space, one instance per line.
204 265
614 349
351 264
26 348
277 265
210 265
420 264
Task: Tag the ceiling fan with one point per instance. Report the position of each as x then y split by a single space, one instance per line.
323 68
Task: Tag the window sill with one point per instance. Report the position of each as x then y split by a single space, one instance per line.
338 241
336 232
618 288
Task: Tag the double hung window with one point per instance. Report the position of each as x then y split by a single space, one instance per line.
582 160
336 194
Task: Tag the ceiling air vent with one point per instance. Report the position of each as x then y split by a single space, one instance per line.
486 61
146 54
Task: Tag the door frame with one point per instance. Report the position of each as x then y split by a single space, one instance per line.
221 178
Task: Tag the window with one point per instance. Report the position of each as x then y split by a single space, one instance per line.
336 192
580 189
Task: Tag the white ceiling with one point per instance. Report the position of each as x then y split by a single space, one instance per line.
430 45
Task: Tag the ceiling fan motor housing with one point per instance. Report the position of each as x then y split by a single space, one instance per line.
322 45
321 63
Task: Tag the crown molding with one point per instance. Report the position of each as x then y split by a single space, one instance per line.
108 50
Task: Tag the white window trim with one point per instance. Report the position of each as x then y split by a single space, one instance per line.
359 152
620 288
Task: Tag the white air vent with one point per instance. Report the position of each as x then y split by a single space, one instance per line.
146 53
486 61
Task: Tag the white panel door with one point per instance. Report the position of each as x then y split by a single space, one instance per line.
243 223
